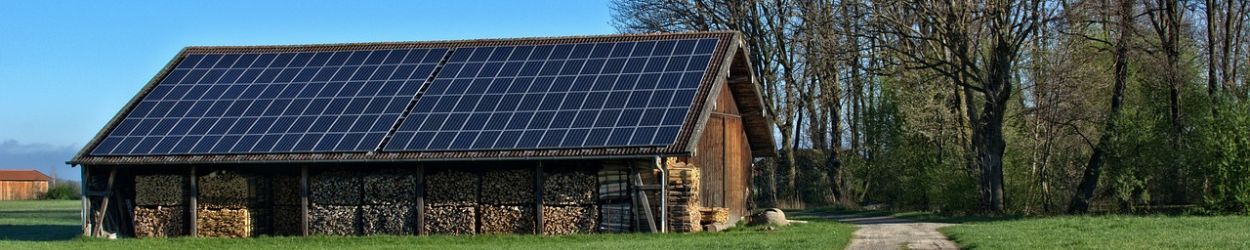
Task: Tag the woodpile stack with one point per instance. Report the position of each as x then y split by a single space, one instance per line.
164 190
390 187
223 222
559 220
451 188
285 190
450 220
334 219
497 219
286 220
683 198
335 188
231 189
569 188
714 215
398 218
508 187
159 221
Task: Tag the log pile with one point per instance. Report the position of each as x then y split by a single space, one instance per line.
558 220
231 189
223 222
396 218
286 220
569 188
285 190
508 187
450 220
159 221
336 188
683 198
497 219
164 190
714 215
451 188
334 220
390 187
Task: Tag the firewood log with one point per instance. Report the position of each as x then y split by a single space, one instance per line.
166 190
507 219
450 220
159 221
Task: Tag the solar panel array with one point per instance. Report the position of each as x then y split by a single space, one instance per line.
337 101
558 96
579 95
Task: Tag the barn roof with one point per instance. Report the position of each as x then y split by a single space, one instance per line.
23 175
417 111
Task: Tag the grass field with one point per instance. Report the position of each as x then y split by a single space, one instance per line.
54 225
1104 232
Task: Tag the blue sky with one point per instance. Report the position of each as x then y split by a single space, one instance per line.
66 67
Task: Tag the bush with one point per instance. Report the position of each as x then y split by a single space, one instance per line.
63 190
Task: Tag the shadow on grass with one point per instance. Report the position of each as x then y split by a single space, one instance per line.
38 232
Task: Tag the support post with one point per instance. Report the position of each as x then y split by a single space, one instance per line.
193 205
663 164
86 201
303 200
538 199
629 190
420 200
104 204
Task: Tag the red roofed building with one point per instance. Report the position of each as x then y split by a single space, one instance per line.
22 184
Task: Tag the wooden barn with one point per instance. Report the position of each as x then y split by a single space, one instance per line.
22 185
619 133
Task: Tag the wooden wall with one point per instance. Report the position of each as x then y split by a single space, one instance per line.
22 190
724 158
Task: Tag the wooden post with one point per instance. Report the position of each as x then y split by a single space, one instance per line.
104 204
538 199
629 190
86 201
663 194
420 199
194 206
303 200
641 196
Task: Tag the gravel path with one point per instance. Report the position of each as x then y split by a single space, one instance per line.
887 232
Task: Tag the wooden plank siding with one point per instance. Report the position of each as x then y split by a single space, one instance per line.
22 190
724 158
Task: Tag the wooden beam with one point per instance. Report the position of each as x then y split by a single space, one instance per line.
641 196
86 201
629 190
303 200
420 199
104 204
194 204
663 194
538 198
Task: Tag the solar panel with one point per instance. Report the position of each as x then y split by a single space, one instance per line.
609 94
226 103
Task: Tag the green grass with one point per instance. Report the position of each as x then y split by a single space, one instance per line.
1102 232
54 225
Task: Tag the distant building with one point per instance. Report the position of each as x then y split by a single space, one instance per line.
22 184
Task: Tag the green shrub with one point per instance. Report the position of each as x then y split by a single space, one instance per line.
63 190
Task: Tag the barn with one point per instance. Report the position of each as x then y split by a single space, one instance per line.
22 184
561 135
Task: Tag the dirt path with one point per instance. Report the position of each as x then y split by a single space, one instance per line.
887 232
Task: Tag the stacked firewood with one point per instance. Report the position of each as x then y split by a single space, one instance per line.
451 198
507 202
390 187
159 221
683 198
569 202
224 222
151 190
507 219
450 220
286 190
559 220
398 218
714 215
336 199
231 189
286 220
334 219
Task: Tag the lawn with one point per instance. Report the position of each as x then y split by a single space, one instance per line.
54 225
1104 232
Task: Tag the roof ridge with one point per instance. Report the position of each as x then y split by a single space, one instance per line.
457 42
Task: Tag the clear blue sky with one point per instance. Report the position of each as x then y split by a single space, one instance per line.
66 67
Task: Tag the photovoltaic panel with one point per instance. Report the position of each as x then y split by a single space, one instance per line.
610 94
231 103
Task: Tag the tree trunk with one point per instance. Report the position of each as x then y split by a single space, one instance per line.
1093 168
988 138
